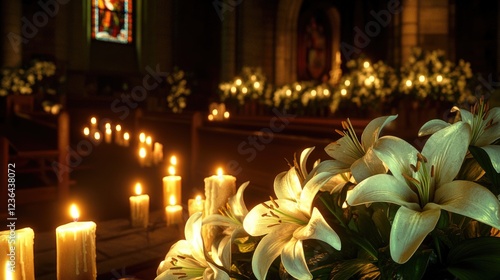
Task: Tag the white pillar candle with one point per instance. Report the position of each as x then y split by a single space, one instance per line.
157 153
173 213
76 253
139 208
195 205
172 187
218 189
93 124
142 156
108 136
118 135
16 254
126 139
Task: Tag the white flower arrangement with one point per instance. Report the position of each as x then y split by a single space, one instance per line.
379 208
22 81
428 75
366 84
249 85
179 90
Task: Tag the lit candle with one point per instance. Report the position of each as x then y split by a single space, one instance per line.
218 189
118 134
171 186
126 139
173 212
86 131
107 136
16 254
76 254
139 208
93 124
195 205
142 156
157 153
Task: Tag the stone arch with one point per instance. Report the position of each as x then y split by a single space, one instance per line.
286 40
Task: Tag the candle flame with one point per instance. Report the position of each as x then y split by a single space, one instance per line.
210 117
219 172
171 170
108 131
73 211
107 126
198 198
97 135
138 188
142 153
149 140
173 160
93 120
86 131
226 115
142 137
172 200
126 136
118 127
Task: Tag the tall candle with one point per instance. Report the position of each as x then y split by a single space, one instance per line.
171 187
195 205
173 212
126 139
93 124
142 156
107 135
139 208
157 153
218 189
118 134
76 254
16 254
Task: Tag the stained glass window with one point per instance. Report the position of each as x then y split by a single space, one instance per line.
112 20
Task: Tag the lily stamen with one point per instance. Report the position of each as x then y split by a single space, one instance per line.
274 202
274 215
265 205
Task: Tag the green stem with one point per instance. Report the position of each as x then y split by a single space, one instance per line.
438 247
327 205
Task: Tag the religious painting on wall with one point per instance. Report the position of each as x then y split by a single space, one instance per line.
314 47
112 20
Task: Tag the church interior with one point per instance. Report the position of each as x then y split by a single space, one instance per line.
99 97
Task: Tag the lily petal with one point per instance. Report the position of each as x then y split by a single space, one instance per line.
471 200
432 126
446 150
215 273
409 230
218 220
397 155
256 223
318 229
372 131
493 152
367 166
303 160
383 188
340 151
491 134
268 249
294 261
237 201
192 231
311 189
287 185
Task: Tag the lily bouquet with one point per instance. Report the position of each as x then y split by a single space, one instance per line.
379 208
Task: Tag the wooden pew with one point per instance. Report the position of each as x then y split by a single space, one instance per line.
34 141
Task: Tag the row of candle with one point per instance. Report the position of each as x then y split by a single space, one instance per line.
122 139
149 153
76 245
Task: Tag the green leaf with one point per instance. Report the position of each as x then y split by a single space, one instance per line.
416 267
477 258
484 160
382 223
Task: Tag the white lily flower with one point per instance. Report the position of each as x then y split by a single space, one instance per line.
422 183
287 221
231 219
485 126
186 258
351 155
